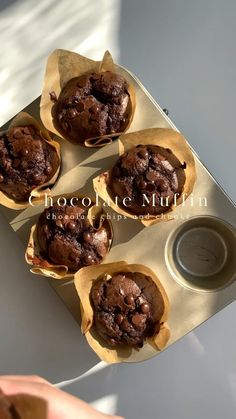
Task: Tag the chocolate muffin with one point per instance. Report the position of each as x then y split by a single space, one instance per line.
66 237
128 308
26 162
149 177
93 105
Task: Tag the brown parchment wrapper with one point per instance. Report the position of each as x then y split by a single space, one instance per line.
84 280
62 66
97 218
163 137
37 194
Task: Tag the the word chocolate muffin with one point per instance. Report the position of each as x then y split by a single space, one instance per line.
146 179
26 162
93 105
66 237
127 308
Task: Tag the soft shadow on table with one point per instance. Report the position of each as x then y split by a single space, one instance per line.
38 334
173 384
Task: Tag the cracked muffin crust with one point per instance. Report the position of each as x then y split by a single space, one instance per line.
93 105
127 308
26 162
66 237
148 177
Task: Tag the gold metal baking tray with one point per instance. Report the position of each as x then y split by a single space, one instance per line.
198 284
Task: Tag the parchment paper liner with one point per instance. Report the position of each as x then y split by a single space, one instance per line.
84 280
163 137
40 266
62 66
37 194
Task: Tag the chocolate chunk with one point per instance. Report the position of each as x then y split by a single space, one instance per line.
145 308
71 225
87 236
119 319
129 299
72 113
88 260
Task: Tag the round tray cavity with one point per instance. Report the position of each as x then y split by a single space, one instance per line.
201 253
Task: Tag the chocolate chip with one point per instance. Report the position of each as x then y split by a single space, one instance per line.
142 184
165 111
119 319
94 108
145 308
88 260
53 96
25 152
72 113
129 299
71 225
143 153
87 236
184 165
59 223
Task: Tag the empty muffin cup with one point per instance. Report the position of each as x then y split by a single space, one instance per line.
200 253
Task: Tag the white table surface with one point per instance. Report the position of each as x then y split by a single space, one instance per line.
184 53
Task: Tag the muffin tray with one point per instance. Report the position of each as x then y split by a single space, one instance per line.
193 254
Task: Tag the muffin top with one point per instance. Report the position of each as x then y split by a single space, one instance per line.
128 308
149 177
93 105
66 237
26 162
